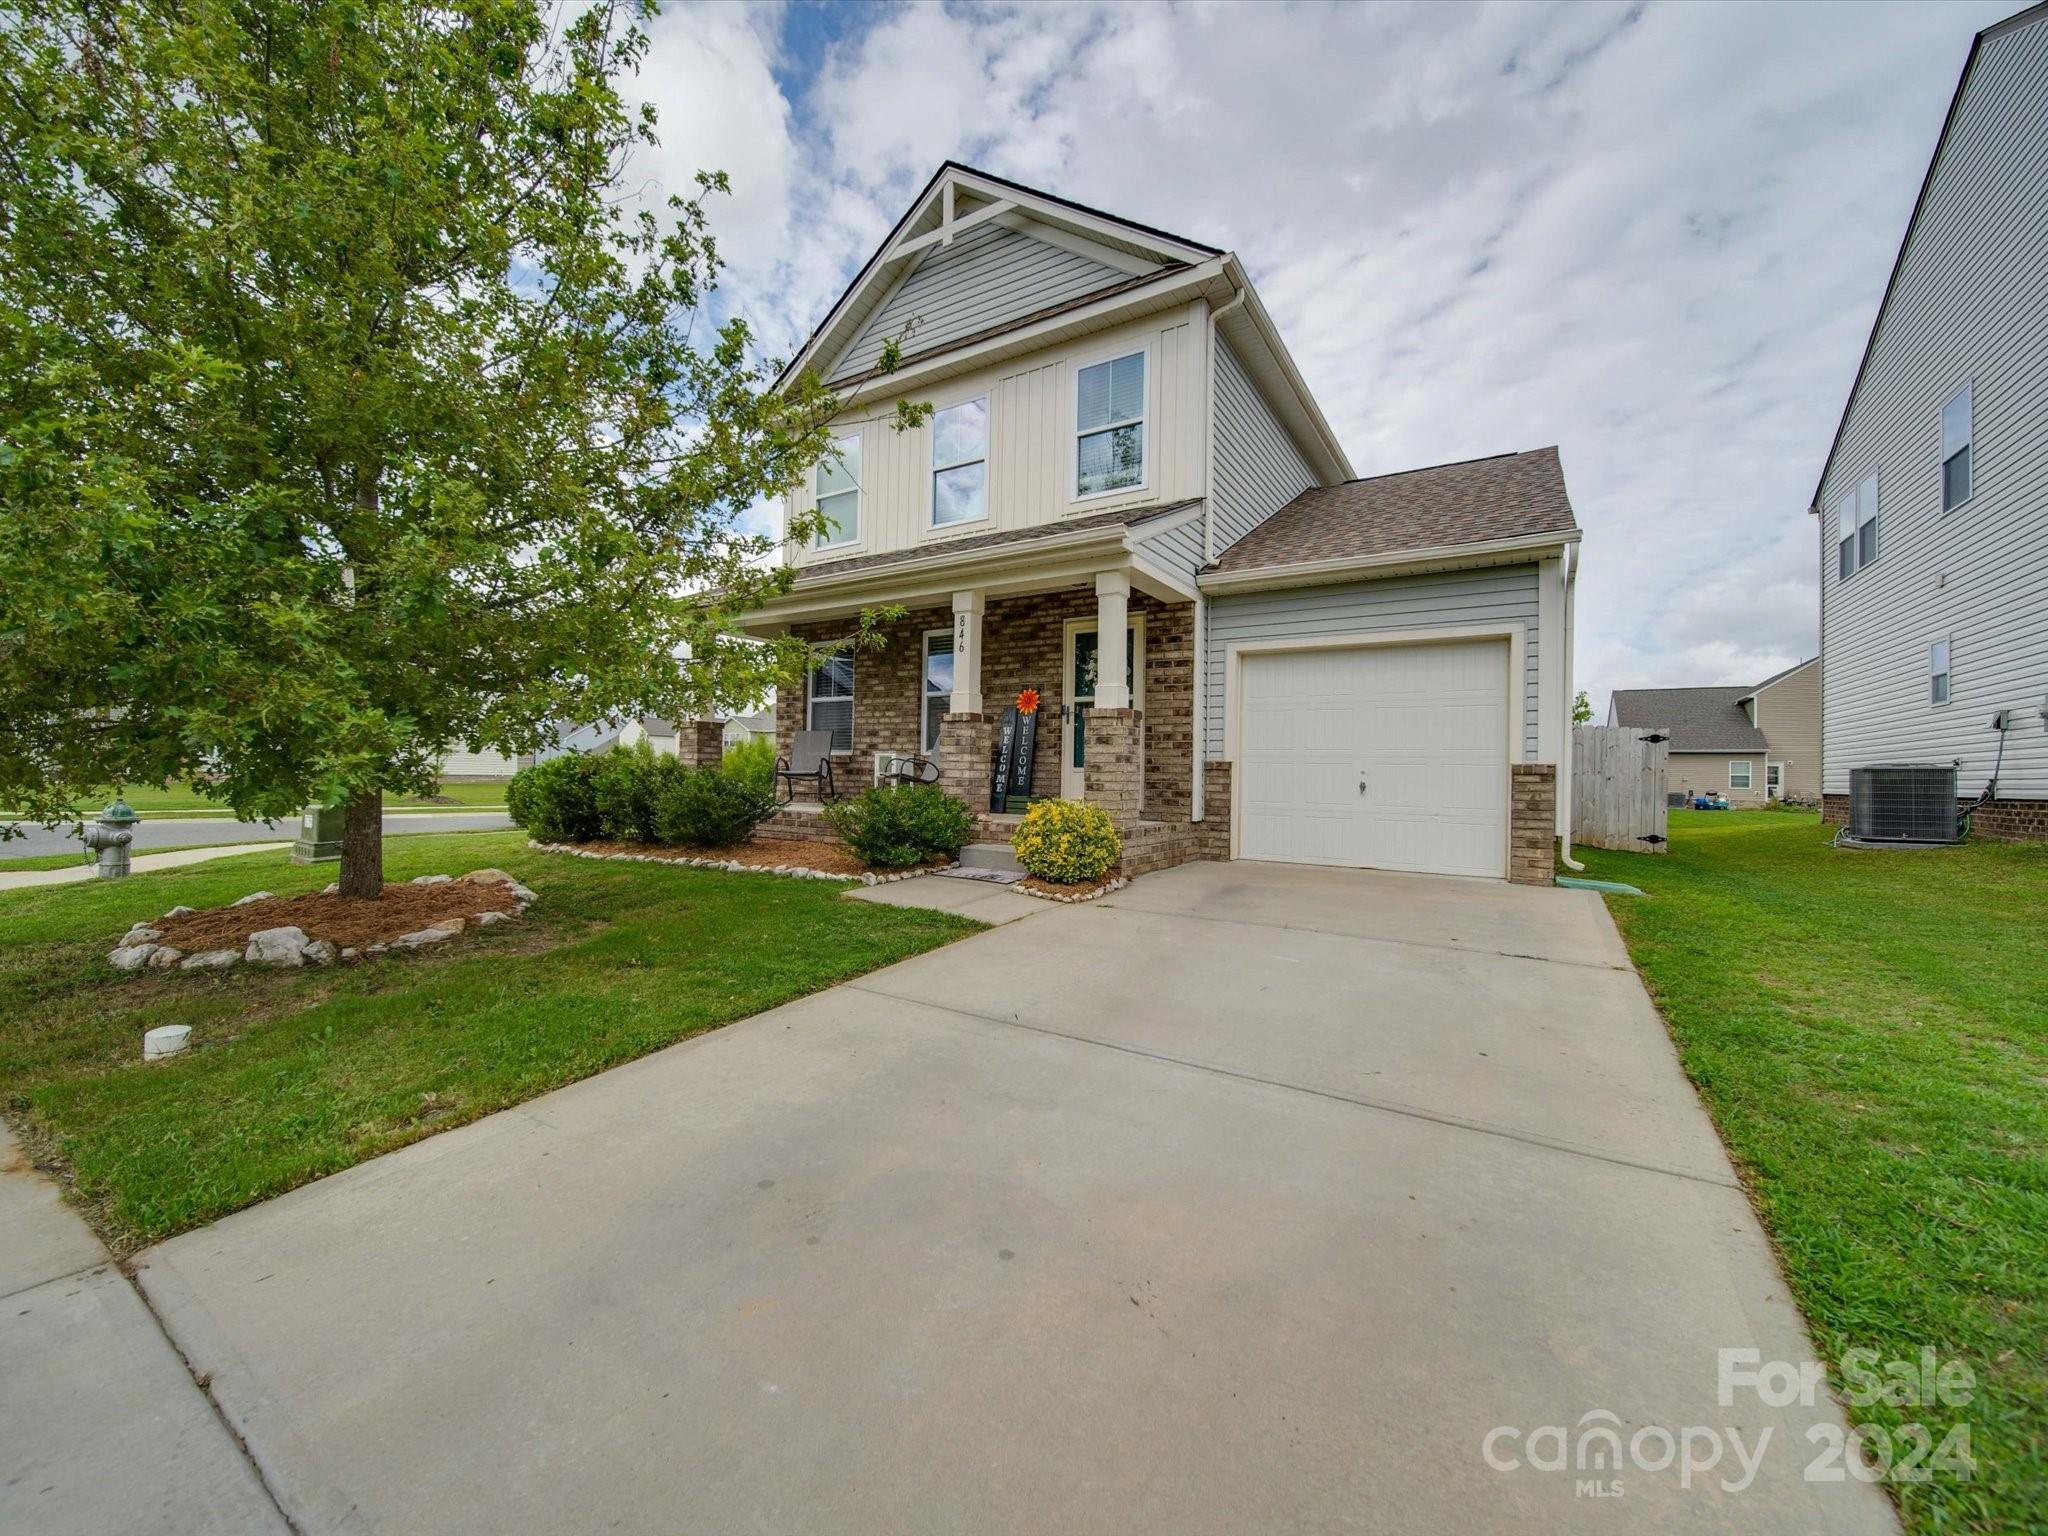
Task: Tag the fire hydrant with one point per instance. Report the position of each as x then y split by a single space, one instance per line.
109 838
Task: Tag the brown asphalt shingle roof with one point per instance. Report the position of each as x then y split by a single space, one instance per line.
1511 495
1698 719
1122 515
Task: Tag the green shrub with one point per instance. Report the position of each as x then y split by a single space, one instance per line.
556 800
629 784
711 808
753 762
1067 842
901 825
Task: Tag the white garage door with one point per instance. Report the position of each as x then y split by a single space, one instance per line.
1389 757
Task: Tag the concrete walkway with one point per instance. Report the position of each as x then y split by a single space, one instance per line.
1248 1199
101 1426
141 864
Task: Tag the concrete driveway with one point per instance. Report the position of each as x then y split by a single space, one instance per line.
1252 1199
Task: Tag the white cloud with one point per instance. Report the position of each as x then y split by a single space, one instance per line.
1655 236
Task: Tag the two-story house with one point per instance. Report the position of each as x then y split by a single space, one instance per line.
1932 506
1127 502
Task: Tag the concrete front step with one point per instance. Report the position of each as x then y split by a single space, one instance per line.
989 856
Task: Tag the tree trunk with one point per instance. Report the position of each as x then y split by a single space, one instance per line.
362 845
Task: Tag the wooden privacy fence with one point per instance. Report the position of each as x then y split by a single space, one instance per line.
1618 787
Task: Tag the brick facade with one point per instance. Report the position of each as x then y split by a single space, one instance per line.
2002 821
1215 823
1113 777
966 747
1532 823
701 743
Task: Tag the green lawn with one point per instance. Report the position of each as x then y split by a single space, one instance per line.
298 1074
183 800
1870 1032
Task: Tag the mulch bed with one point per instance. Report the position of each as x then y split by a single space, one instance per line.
764 853
345 921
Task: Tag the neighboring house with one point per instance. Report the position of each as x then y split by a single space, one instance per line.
487 764
604 735
1128 501
1750 744
1933 501
742 729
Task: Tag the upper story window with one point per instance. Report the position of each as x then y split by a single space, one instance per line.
960 463
1955 450
839 494
1856 527
1109 424
1937 671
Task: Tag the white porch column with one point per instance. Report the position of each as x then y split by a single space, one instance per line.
967 611
1112 617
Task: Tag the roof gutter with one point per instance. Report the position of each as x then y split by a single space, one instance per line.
1318 572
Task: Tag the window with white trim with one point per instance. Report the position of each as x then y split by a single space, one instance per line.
1738 774
938 685
1856 527
1937 671
839 494
960 463
828 704
1955 450
1774 779
1109 425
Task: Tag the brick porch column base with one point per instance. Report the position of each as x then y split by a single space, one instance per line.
701 743
1215 828
967 745
1114 778
1532 823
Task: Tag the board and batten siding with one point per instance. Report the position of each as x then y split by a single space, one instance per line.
1030 441
1258 468
1497 595
987 277
1970 306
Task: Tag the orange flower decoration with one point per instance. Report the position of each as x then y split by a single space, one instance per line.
1027 702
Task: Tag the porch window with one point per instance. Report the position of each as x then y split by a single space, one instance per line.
839 494
960 463
1109 422
938 685
829 703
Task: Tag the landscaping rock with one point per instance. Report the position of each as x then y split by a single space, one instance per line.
212 960
131 957
166 1040
165 957
333 888
321 952
266 895
488 877
433 933
281 948
348 954
527 897
449 879
179 912
141 933
491 919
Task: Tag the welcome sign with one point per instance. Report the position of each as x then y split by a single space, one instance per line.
1016 753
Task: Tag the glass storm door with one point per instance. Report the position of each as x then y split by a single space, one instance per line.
1081 671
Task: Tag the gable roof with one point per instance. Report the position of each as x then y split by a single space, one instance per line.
2018 19
1697 719
826 570
1477 501
1779 677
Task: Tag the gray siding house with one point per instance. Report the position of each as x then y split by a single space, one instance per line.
1128 522
1932 508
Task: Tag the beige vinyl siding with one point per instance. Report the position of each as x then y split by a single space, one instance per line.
1709 771
1448 600
1030 440
988 276
1970 306
1258 468
1788 713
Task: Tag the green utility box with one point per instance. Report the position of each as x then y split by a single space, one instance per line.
319 835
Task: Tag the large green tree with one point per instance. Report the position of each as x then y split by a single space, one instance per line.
353 402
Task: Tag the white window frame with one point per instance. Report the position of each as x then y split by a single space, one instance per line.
838 450
924 687
1968 446
1748 767
1774 780
931 480
812 699
1851 517
1109 354
1940 672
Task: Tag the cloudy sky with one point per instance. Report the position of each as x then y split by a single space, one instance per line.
1654 235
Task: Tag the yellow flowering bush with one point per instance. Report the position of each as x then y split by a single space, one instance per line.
1067 842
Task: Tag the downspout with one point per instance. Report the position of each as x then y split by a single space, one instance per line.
1198 796
1571 637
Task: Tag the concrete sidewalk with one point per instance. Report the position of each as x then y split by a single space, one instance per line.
142 864
101 1426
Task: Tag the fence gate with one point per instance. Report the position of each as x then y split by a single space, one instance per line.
1618 787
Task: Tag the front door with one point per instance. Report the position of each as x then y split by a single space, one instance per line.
1080 680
